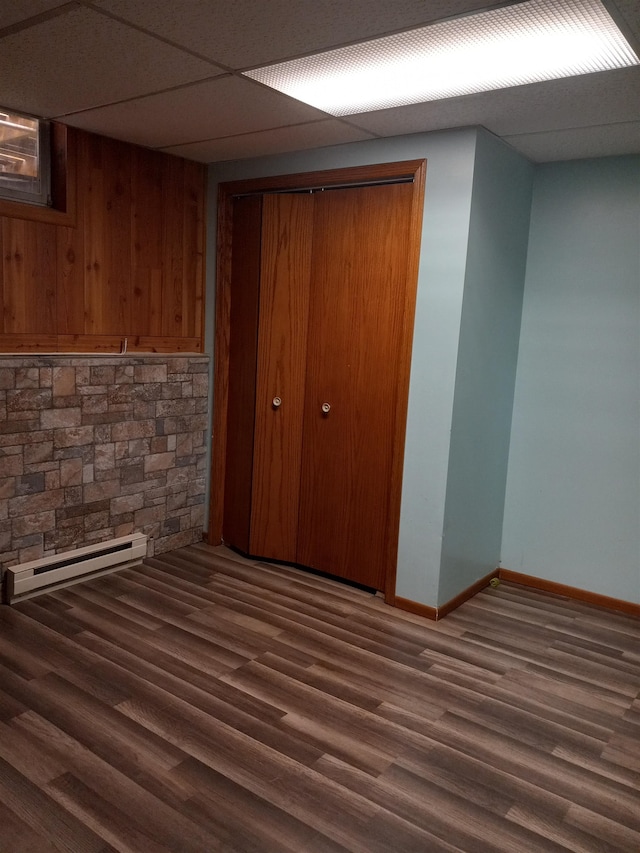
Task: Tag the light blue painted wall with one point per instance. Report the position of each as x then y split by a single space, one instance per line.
572 510
486 368
450 170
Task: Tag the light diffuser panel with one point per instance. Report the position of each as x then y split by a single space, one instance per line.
525 43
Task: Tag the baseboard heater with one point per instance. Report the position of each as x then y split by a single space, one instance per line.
28 579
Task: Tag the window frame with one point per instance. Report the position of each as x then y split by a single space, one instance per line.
42 196
63 183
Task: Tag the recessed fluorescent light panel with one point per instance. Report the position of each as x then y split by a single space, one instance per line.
525 43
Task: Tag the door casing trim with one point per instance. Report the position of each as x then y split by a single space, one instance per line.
377 173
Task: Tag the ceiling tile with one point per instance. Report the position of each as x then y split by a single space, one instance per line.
221 107
279 140
589 99
15 12
83 59
578 143
629 11
244 33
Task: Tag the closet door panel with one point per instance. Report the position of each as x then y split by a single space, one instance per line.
243 344
358 281
282 344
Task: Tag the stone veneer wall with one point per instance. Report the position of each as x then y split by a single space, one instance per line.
94 447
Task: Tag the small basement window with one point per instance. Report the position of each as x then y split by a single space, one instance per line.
25 162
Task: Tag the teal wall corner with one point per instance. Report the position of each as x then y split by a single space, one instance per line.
486 366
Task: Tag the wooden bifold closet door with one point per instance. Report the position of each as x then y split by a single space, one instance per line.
317 348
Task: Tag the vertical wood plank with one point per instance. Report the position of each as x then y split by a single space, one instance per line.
29 276
193 241
117 230
2 284
245 284
146 297
91 169
287 229
358 284
126 259
172 245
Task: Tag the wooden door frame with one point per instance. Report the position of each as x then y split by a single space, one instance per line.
414 170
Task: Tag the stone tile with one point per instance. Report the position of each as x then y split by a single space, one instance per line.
197 487
30 484
126 503
28 541
177 365
143 410
71 472
172 391
33 552
201 385
199 364
100 491
97 521
52 479
28 399
149 392
7 489
104 458
73 436
124 529
56 418
81 509
103 433
118 394
177 500
97 404
7 378
12 466
102 375
73 496
177 540
64 381
16 428
132 474
124 374
159 462
149 515
159 444
150 373
41 451
38 522
101 535
72 402
46 377
140 447
133 429
168 408
169 526
27 377
121 450
181 476
107 489
184 444
63 539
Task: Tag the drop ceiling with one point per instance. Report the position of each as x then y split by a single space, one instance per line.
167 75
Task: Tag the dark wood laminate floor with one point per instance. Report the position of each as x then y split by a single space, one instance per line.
204 703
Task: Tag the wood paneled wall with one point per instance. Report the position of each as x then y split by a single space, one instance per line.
124 260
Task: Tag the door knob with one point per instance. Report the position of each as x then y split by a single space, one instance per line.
326 408
276 402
